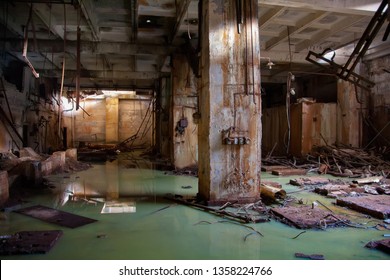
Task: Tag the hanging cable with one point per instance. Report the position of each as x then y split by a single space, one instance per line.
289 45
290 78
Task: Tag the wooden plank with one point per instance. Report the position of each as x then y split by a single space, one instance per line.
287 172
270 168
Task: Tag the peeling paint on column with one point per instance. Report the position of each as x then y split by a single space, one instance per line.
231 104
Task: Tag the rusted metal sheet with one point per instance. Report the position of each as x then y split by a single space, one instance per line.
304 217
377 206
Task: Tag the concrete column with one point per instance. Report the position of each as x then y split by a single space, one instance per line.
230 103
184 105
349 130
112 119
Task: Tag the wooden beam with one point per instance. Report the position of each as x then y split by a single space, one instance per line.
350 7
299 26
337 27
267 18
180 13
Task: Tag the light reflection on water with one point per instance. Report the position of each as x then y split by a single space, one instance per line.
161 229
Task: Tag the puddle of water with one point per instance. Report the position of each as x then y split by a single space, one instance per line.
156 228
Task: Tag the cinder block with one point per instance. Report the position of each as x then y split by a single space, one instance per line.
71 153
57 160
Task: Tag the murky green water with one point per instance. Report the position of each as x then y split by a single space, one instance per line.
174 232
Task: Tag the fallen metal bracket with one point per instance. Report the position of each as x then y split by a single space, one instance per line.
346 71
25 45
336 69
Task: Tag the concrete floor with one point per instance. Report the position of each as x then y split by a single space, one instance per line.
156 228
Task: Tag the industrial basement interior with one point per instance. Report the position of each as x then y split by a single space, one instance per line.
194 130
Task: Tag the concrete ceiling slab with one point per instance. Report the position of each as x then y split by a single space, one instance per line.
128 43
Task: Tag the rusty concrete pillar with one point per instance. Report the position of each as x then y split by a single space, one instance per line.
230 102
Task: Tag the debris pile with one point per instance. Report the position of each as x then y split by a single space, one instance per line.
348 162
341 162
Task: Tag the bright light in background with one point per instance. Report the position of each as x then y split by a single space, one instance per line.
330 55
67 104
369 7
113 93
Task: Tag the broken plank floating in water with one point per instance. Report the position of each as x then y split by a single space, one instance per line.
311 257
55 216
290 171
268 168
219 212
29 242
382 245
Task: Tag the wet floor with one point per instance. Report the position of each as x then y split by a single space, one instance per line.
134 221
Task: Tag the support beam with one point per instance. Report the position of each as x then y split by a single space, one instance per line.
87 8
351 7
265 20
342 24
180 13
87 47
230 104
298 27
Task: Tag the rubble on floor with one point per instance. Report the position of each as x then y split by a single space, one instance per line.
32 167
55 216
337 161
377 206
382 245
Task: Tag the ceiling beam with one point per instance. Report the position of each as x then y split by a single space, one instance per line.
180 13
88 47
88 10
45 15
298 27
267 18
337 27
351 7
108 74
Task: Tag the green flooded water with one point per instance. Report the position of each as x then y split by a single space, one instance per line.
156 228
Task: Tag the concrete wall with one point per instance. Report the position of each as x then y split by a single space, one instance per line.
91 127
111 120
136 116
35 108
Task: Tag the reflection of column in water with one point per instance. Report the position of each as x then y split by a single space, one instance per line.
112 177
